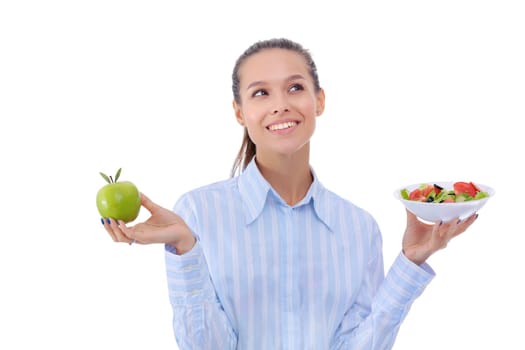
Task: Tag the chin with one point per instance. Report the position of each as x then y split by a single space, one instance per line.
292 150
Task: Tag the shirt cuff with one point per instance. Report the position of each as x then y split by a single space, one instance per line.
188 276
404 282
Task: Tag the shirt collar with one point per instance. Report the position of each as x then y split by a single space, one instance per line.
254 191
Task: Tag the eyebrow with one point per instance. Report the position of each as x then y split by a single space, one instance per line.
261 82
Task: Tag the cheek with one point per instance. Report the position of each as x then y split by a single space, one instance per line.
252 115
309 108
252 121
306 103
248 121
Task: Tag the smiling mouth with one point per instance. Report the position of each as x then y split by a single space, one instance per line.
281 126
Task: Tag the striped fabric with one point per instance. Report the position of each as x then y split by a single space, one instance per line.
266 275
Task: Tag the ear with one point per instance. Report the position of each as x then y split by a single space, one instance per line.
238 113
320 102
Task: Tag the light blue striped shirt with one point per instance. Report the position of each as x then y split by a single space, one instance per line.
267 275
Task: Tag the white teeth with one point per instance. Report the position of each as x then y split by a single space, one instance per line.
282 126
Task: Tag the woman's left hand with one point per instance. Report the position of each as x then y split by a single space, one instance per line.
421 240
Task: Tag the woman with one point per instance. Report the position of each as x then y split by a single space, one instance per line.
270 258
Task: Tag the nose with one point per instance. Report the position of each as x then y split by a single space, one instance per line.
280 110
280 105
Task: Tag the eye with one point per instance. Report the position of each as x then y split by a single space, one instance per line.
296 87
260 92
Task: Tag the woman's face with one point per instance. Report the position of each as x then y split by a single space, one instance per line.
279 103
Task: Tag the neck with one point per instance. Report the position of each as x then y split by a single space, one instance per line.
289 175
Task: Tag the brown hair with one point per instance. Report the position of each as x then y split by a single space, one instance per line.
248 149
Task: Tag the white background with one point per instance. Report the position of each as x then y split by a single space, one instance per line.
416 91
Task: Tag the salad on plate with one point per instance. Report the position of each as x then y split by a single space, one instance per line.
433 193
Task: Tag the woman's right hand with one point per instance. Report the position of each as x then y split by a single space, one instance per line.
163 226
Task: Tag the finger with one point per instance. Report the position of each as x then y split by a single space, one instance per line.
146 234
148 203
105 222
119 234
128 232
444 227
463 225
455 227
439 239
469 221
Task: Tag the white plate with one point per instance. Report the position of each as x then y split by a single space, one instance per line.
435 212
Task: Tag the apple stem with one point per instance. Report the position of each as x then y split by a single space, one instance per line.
111 179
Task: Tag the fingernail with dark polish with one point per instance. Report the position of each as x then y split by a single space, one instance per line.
441 223
108 221
459 221
102 221
476 216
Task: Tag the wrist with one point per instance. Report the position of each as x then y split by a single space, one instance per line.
184 245
415 256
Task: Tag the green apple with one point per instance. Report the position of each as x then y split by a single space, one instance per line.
118 200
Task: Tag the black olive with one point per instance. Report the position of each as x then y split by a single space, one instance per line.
438 187
430 199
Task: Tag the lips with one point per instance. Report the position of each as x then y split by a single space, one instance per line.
282 126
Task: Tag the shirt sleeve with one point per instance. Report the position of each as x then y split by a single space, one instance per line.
373 322
199 321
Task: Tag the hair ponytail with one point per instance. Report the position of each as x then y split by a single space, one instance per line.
245 155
